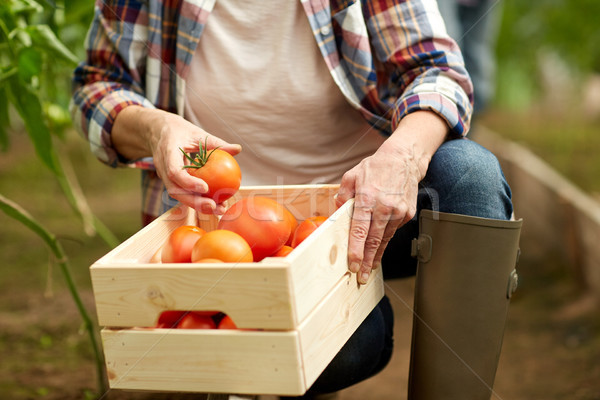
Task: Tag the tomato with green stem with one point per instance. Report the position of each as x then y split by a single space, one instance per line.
218 169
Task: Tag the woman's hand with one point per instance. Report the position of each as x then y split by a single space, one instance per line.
140 132
385 187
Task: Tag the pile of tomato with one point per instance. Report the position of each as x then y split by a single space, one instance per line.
250 230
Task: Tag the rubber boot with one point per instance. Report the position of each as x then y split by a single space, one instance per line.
465 278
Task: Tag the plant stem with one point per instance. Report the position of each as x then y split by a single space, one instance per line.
15 211
70 186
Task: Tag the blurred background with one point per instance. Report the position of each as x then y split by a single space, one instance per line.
543 121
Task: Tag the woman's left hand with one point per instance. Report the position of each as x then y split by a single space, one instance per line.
385 187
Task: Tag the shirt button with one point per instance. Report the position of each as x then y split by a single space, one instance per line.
325 30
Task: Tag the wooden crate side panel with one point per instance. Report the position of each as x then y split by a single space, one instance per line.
336 318
302 201
254 296
204 361
141 247
318 263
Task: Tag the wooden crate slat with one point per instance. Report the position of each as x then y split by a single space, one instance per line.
336 318
319 262
254 296
204 361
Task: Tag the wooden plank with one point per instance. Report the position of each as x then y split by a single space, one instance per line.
216 361
318 263
254 295
336 318
140 247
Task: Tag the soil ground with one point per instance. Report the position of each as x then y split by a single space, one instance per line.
551 346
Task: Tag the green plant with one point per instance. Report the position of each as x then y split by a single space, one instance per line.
35 66
33 61
567 29
16 212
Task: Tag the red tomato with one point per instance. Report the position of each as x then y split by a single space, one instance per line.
218 169
222 245
197 320
284 251
169 319
307 227
179 244
227 323
261 221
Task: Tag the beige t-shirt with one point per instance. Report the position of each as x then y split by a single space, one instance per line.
258 79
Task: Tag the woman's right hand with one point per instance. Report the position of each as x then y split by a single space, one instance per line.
141 132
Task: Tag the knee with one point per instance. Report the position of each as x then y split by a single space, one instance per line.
467 179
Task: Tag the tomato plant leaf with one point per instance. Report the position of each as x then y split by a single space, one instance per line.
30 110
30 63
42 36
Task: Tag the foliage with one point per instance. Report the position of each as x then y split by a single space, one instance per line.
35 66
15 211
35 69
566 29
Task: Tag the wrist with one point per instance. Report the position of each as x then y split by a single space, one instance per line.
418 136
136 131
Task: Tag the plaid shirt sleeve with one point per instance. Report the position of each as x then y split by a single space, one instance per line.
419 67
110 78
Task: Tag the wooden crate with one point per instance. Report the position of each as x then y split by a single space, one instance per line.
305 306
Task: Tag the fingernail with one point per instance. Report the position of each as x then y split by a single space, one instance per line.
364 277
354 267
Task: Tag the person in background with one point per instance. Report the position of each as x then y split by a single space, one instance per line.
372 95
474 25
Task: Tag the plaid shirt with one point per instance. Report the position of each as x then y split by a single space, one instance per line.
388 58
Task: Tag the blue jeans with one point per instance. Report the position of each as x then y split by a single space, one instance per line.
463 178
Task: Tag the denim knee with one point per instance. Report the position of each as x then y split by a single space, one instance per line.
465 178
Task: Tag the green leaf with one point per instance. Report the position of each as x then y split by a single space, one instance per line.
30 63
43 37
26 6
4 120
30 110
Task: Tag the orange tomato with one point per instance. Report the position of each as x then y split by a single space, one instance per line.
226 323
223 245
264 223
307 227
284 251
218 169
179 244
208 260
